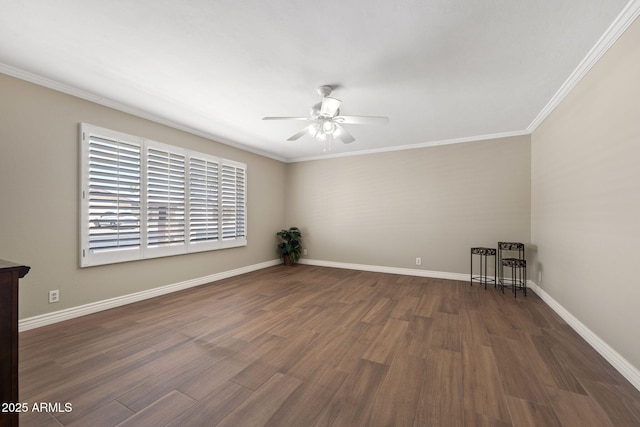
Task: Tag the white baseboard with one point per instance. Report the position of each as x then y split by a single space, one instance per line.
390 270
73 312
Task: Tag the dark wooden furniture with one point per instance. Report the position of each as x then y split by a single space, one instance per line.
9 274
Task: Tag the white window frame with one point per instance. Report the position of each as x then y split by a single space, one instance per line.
91 257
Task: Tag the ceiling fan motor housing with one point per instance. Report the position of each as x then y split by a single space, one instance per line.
315 111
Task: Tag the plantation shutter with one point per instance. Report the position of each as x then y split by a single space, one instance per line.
143 199
165 198
203 201
233 201
113 195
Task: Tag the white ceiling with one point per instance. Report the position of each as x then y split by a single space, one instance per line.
441 70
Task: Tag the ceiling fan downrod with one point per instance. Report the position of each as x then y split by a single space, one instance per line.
324 90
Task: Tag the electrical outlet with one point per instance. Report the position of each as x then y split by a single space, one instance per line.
304 252
418 261
54 296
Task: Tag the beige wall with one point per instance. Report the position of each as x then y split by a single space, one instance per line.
586 198
39 193
387 209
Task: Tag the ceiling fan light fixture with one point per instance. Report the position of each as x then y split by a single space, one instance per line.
328 127
313 129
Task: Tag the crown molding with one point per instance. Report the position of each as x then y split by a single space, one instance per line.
615 30
110 103
413 146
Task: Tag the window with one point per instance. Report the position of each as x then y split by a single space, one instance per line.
144 199
203 199
165 225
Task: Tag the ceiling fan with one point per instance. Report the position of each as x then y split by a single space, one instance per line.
327 121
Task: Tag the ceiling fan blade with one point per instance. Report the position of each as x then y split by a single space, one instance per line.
299 134
342 134
285 118
361 120
329 106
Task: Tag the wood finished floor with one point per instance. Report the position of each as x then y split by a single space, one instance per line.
313 346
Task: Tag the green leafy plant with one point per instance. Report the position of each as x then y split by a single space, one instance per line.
290 247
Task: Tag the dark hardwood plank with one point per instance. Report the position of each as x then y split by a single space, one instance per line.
380 312
473 329
213 407
305 404
441 396
529 414
449 296
622 408
42 419
405 308
518 379
280 359
87 395
157 386
576 409
585 363
352 403
483 391
158 413
397 398
217 376
472 419
359 340
108 415
382 348
445 331
429 300
419 336
551 369
263 403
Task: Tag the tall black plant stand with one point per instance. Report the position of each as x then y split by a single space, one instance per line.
483 277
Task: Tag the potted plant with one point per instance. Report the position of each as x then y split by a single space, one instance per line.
289 247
